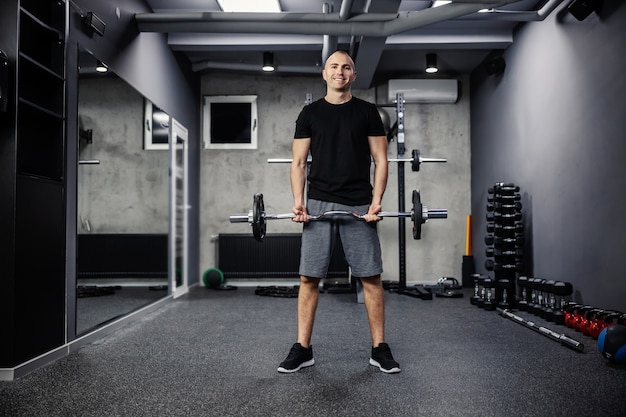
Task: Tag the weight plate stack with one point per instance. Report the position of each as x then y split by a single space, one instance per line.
504 240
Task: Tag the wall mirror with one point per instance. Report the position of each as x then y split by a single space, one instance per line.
122 202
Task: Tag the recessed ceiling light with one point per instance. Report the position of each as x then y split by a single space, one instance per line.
438 3
264 6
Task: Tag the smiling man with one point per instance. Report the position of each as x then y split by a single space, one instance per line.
344 134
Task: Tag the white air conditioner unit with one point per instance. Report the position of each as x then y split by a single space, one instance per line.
424 91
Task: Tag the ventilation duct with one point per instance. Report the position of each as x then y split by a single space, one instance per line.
366 24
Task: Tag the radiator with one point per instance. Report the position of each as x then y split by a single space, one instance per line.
121 255
278 256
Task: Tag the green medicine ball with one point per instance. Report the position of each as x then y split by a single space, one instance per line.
213 278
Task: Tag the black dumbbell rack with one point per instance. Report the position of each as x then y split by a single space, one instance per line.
505 240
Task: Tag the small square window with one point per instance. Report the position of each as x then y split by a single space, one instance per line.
230 122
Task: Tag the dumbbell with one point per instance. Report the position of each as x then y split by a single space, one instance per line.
482 291
506 258
505 230
493 253
532 297
554 299
490 265
545 310
504 207
505 243
562 290
524 298
536 296
488 302
503 217
503 187
478 281
536 284
504 199
505 289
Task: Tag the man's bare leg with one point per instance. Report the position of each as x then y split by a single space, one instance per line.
308 296
301 353
374 297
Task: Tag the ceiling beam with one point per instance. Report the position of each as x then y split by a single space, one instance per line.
471 38
370 48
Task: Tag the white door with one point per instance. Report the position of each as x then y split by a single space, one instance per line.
178 264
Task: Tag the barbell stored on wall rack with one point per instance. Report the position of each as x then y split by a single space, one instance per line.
416 160
257 216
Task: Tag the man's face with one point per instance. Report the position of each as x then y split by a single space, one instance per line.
339 72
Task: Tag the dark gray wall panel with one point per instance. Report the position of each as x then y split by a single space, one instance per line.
554 124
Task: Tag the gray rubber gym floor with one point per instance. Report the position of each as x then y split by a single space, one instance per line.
213 353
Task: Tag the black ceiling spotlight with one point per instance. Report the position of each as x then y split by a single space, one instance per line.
268 61
431 63
101 66
581 9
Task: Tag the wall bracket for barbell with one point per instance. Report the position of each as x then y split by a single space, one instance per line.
257 217
416 160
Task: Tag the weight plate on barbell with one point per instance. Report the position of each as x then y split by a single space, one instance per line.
258 218
416 215
415 163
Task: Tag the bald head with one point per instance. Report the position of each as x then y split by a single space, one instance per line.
339 57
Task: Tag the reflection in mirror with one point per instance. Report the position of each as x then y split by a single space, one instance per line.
122 202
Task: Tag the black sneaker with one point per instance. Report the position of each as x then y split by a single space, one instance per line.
299 357
382 357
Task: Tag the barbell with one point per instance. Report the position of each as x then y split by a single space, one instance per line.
257 216
416 160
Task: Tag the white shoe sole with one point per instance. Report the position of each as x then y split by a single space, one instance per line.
302 365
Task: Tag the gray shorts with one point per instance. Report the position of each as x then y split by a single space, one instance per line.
359 239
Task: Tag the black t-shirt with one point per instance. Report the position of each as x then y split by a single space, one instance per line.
340 170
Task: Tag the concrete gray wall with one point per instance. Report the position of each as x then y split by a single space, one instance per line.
128 191
229 178
554 124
